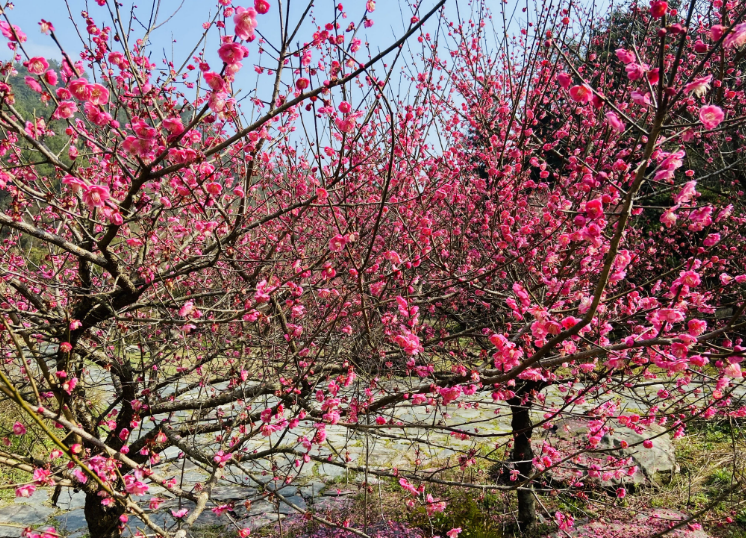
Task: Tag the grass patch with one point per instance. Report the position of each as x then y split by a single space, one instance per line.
466 510
711 457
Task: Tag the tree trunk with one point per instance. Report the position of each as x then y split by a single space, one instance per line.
522 455
103 521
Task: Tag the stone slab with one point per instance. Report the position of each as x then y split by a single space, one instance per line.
25 515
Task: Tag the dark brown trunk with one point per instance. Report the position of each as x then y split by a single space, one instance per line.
103 521
522 455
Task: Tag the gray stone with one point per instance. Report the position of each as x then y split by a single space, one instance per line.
72 521
210 518
261 507
171 452
10 532
39 497
173 504
372 479
284 491
259 521
330 472
162 519
645 524
232 493
655 465
194 476
335 492
312 490
189 465
70 500
658 464
26 515
297 500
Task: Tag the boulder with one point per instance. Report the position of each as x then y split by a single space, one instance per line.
643 525
26 515
15 517
655 465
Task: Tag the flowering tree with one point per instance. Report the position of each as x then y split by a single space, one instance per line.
543 211
619 246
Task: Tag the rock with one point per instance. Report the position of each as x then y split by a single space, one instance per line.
284 490
655 465
208 518
10 532
372 479
189 465
261 508
70 500
194 476
334 492
312 489
257 522
39 497
72 521
232 493
171 452
645 524
297 500
27 515
173 504
164 520
329 472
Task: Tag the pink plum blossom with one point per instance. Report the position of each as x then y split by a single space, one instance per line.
711 116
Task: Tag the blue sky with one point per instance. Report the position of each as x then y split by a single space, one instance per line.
185 18
182 28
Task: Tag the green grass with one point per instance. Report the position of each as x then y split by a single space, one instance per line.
708 457
469 510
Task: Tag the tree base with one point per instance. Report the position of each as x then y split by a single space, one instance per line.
103 521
